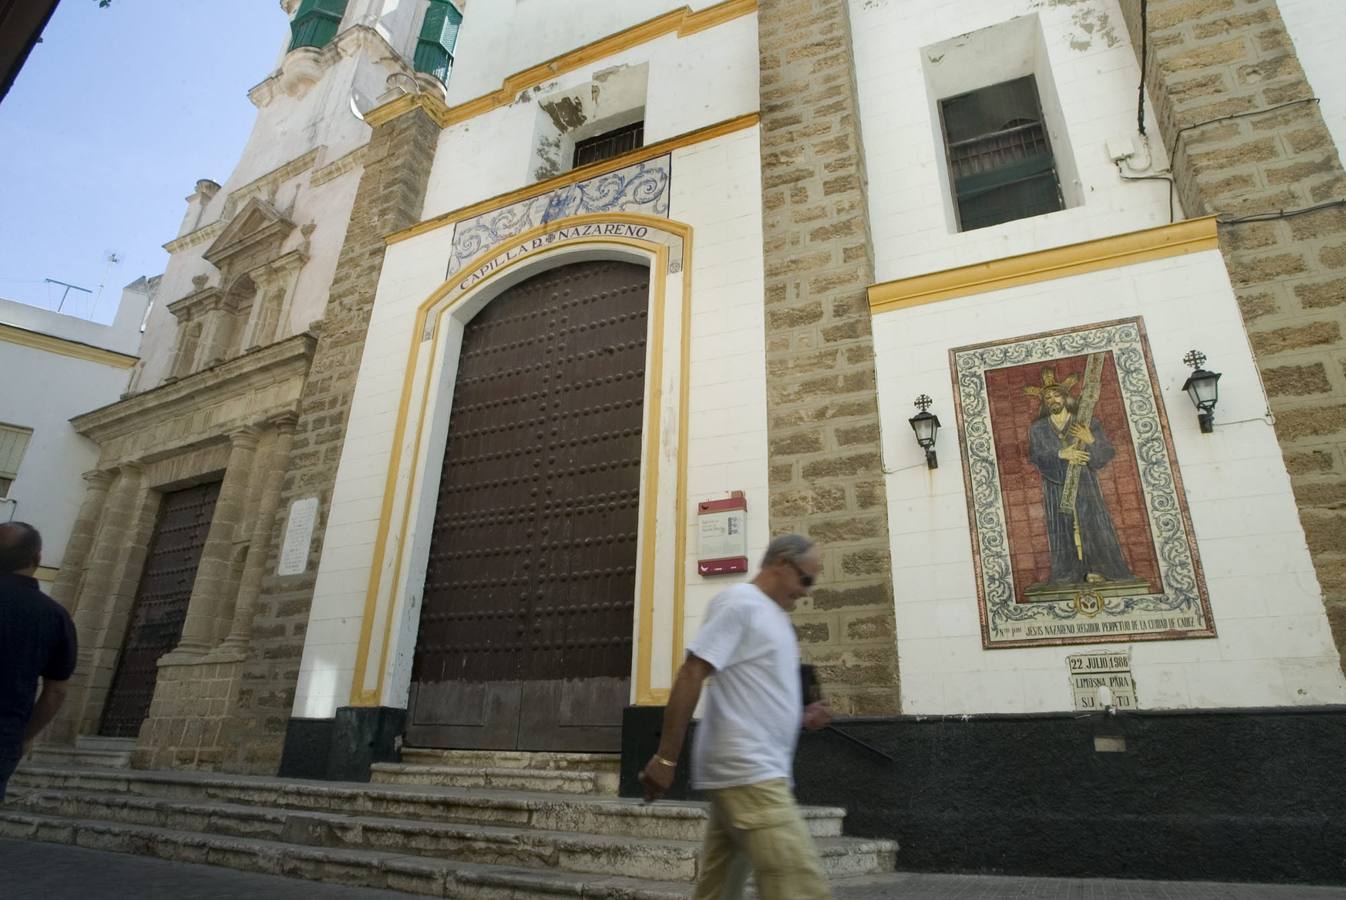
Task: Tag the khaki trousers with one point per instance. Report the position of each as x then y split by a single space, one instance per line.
759 827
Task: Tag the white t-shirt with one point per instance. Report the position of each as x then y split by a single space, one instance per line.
753 708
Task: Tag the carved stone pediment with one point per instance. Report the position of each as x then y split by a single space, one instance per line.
256 234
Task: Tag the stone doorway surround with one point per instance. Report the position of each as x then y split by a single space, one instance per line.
235 421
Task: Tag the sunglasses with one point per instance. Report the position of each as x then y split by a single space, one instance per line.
804 577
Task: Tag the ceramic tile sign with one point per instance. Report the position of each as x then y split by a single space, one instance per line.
1080 529
298 537
1101 680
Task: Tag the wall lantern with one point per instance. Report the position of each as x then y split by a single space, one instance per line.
926 426
1204 389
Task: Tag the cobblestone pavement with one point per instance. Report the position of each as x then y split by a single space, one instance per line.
41 871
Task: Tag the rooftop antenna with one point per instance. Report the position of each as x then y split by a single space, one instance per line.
66 292
112 259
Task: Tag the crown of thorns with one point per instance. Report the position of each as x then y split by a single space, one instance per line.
1049 381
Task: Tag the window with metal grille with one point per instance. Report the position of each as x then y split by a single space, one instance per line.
315 23
13 443
1000 158
439 32
606 146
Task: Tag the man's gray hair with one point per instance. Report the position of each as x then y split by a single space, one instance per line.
786 546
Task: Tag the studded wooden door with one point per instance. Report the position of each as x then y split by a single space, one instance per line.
160 606
526 624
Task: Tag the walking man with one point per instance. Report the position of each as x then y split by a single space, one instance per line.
743 754
37 640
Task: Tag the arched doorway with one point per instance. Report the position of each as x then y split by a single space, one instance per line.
525 631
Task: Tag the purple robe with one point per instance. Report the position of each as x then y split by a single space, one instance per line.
1102 551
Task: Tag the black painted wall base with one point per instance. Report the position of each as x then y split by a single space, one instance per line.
342 748
1230 795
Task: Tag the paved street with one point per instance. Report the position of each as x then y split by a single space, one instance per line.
40 871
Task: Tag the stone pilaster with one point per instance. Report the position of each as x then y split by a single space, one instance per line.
390 196
826 470
115 558
82 533
214 574
245 606
1232 100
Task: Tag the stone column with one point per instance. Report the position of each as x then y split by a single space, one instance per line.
81 538
1249 140
210 591
826 473
95 601
245 606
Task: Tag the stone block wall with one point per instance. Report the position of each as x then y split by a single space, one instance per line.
826 474
1248 143
389 198
188 717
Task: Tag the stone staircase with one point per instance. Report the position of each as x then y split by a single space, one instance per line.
442 823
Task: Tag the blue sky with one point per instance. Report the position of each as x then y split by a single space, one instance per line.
115 116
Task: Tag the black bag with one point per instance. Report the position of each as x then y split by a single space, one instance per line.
811 690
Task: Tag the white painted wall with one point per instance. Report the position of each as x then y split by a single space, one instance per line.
717 191
695 81
1274 647
121 336
48 389
1318 28
1095 73
501 37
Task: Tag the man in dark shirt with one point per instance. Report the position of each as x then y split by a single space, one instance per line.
37 640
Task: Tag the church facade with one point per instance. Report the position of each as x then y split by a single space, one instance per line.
520 328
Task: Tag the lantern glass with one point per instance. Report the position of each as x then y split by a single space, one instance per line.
1204 389
926 426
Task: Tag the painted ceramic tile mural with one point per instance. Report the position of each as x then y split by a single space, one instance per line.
1080 530
640 187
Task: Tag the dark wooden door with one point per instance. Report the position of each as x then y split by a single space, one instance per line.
160 606
526 625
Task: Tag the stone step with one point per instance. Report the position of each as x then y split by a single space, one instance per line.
76 757
89 750
667 820
578 853
514 759
360 868
557 781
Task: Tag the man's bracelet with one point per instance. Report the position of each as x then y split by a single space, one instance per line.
665 762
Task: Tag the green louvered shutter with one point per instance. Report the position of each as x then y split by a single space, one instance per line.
316 22
439 32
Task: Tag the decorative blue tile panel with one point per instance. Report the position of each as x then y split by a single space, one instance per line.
642 187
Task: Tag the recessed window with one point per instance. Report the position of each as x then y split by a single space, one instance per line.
13 443
315 23
612 143
439 33
1000 158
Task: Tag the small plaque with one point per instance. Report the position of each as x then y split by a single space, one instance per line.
298 537
722 538
1102 680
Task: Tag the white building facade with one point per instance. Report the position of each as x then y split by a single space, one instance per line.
538 330
67 366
